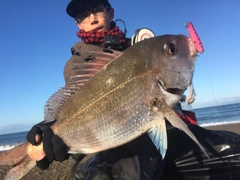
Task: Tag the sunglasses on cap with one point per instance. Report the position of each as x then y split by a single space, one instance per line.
98 11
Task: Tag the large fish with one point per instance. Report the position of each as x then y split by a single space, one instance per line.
131 95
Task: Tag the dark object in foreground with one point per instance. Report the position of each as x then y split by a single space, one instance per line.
184 160
223 148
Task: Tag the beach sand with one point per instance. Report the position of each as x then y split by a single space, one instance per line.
61 171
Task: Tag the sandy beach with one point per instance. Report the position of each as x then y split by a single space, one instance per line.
61 171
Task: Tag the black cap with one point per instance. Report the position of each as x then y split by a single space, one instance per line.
76 7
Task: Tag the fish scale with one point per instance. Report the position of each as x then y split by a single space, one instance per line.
117 117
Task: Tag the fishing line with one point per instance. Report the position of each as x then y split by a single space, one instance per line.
217 105
210 80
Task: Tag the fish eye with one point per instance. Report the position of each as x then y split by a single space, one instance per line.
170 48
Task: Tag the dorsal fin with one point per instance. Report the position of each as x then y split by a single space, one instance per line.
84 72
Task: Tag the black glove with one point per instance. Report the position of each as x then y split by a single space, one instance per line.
53 145
38 129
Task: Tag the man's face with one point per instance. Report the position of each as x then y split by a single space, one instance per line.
97 21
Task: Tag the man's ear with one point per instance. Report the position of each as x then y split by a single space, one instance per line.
111 13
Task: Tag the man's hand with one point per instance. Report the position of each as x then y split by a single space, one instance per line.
34 136
53 146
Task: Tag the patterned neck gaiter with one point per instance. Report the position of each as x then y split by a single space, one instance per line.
98 37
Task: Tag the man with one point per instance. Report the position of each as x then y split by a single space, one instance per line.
138 159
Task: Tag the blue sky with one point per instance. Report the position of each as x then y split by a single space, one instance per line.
36 37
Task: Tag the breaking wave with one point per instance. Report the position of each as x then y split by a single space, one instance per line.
7 147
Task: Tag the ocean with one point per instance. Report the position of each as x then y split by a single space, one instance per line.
217 115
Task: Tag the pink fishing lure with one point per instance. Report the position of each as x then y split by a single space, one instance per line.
195 38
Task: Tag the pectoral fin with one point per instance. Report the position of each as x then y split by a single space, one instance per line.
158 135
177 122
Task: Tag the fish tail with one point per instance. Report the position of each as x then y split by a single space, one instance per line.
21 169
14 156
22 157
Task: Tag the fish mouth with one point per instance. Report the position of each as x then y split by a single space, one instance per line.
171 95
